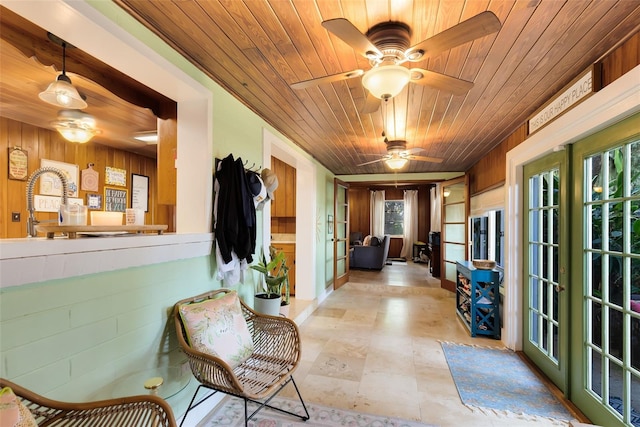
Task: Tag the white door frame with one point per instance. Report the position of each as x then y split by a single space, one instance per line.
613 103
305 211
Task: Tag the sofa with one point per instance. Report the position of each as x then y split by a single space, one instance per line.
372 256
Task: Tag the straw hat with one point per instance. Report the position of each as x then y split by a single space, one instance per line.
270 181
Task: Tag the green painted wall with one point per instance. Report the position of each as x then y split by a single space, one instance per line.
73 339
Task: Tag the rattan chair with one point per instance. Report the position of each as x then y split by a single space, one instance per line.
259 378
130 411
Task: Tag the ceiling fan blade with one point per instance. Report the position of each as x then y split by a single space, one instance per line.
473 28
373 161
371 105
348 33
327 79
426 159
440 81
413 150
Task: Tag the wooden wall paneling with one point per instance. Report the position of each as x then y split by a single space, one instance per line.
359 210
621 60
41 143
395 248
290 195
424 213
167 151
490 171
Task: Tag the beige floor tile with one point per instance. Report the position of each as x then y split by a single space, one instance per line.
374 346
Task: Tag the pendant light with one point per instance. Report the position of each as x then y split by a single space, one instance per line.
61 92
76 126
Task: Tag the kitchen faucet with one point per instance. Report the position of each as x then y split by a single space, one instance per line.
31 221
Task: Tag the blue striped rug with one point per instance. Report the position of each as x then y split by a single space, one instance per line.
498 380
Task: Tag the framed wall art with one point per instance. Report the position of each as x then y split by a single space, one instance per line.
50 184
94 201
115 176
115 199
18 164
140 192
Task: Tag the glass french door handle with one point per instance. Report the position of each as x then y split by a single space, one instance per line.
559 288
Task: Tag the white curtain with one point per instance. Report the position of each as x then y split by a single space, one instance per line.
435 208
377 213
410 234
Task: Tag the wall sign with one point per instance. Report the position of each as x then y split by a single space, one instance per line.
51 203
115 176
115 199
140 192
18 164
577 91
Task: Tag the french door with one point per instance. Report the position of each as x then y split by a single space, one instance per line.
341 233
581 296
605 378
546 265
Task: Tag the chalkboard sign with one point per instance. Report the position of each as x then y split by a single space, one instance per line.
115 199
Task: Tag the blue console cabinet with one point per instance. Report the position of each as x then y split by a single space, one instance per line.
478 299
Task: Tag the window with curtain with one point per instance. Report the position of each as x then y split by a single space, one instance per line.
394 218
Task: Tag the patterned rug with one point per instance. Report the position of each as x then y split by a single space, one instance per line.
498 381
230 412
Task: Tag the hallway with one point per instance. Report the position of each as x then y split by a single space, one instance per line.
374 346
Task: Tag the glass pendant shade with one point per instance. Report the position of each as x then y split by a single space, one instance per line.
75 126
396 163
386 81
62 94
74 134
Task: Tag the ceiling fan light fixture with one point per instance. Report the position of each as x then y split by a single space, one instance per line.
396 162
76 126
386 81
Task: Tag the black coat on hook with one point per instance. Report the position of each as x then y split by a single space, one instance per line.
235 228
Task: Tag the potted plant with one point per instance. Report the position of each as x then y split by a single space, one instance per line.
269 293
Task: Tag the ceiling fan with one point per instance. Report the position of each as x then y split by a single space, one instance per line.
398 155
386 46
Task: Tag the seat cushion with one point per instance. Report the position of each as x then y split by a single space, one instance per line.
13 412
218 328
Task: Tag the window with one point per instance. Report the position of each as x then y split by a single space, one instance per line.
394 218
487 236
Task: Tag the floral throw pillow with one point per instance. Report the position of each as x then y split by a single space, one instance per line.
12 412
217 327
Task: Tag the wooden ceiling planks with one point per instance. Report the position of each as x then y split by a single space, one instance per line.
256 49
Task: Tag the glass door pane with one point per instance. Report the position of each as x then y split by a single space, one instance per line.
605 378
546 258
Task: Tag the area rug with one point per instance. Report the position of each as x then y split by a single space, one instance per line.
497 381
230 412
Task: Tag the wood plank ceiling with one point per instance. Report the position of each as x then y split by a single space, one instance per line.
257 48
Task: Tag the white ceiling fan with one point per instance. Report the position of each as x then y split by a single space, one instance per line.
398 155
387 47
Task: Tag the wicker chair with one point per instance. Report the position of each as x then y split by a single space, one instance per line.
259 378
130 411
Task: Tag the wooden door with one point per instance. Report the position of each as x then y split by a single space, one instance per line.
340 226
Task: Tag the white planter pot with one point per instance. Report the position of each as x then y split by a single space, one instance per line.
266 305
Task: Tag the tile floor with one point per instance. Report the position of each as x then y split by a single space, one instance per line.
373 346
